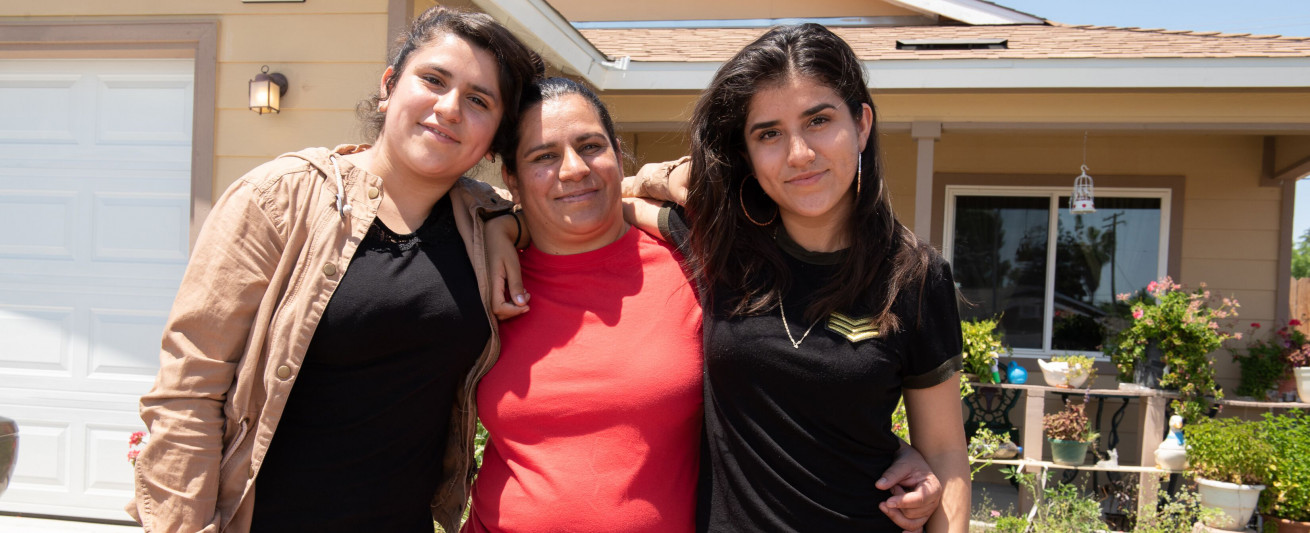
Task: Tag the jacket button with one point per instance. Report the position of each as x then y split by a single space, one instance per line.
283 372
373 192
330 269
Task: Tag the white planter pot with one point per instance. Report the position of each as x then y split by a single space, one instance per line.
1236 502
1302 376
1058 375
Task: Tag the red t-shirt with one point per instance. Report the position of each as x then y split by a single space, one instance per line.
594 407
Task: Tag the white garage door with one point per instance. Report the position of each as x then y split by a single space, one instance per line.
94 198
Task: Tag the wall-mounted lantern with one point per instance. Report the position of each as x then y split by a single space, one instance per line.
266 91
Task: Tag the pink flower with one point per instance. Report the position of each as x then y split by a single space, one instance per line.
1294 322
1137 314
131 455
996 514
1150 287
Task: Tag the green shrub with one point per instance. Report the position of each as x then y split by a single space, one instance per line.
982 347
1287 492
1066 510
1011 524
1178 514
1229 450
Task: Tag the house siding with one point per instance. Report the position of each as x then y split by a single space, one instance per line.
330 67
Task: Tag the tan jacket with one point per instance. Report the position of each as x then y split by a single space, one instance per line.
262 271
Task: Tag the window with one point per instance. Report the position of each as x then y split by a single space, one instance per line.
1050 274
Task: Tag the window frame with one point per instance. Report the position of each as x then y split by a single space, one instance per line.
1053 193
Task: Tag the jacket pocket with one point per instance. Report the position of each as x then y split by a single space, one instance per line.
230 448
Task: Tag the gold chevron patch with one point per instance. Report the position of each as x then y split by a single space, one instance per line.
854 329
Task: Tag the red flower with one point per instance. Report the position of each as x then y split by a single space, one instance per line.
1255 325
1294 322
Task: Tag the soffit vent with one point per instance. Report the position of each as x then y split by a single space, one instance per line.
953 44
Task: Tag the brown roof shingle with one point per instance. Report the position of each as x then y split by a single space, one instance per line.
1025 42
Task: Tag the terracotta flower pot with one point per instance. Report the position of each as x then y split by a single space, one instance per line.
1285 525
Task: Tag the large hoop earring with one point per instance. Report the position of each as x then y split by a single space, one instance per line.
741 196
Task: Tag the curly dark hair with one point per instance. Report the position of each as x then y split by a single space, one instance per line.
726 248
519 65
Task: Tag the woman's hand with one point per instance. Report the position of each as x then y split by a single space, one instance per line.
937 431
916 491
667 181
508 299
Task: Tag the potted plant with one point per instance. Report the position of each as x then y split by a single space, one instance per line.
1266 365
1299 360
1067 371
1182 328
982 349
1286 500
1230 458
1069 434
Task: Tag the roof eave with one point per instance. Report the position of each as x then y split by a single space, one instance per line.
1017 74
543 29
969 11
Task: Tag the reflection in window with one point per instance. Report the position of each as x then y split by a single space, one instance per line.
1116 249
1002 261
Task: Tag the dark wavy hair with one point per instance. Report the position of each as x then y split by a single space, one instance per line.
725 248
518 64
547 89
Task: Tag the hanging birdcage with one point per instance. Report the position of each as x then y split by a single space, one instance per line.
1082 201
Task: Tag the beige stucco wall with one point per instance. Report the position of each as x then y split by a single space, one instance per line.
335 62
591 10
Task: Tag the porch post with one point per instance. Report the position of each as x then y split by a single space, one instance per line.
925 135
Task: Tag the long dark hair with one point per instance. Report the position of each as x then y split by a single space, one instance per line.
518 64
726 248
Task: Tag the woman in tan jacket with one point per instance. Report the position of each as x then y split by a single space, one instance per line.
318 365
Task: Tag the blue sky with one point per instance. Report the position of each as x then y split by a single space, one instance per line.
1259 17
1283 17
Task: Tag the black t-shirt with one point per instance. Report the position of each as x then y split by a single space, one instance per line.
360 443
796 437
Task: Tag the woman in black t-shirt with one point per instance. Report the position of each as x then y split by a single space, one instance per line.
821 307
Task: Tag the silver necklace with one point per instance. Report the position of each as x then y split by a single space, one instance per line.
794 343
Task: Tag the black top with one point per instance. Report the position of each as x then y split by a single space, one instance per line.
796 437
360 444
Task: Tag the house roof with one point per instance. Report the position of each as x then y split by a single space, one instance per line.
1024 42
1039 55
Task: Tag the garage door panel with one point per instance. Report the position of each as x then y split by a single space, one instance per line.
141 227
43 451
80 462
144 109
109 473
95 195
39 108
39 224
41 338
125 345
